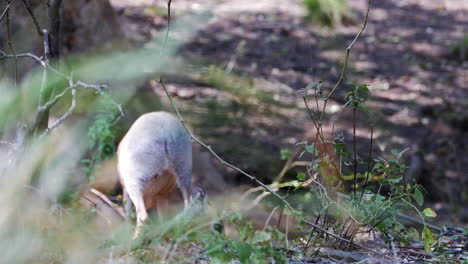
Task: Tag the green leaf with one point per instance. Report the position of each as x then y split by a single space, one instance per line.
285 154
243 251
301 176
413 234
362 108
429 212
428 239
261 237
312 86
418 196
395 152
310 149
364 88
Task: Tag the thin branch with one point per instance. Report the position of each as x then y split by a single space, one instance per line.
33 17
343 70
5 11
65 116
100 88
54 100
4 55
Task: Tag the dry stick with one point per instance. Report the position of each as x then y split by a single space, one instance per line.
108 202
343 70
369 161
310 235
5 11
33 17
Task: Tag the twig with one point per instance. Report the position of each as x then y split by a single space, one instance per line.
64 116
5 11
345 65
98 87
108 202
31 13
20 55
269 218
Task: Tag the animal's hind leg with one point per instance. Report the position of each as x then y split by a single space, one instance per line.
184 183
136 196
127 204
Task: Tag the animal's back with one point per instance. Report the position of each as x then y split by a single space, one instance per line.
157 144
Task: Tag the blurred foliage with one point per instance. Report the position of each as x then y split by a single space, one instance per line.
328 13
102 139
460 49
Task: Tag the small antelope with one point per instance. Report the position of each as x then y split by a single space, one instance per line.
154 157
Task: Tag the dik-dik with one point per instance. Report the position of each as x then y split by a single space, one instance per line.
154 157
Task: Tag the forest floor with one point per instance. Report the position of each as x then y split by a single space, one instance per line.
419 88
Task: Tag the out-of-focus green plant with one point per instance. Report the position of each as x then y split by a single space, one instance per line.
253 246
102 137
460 49
327 12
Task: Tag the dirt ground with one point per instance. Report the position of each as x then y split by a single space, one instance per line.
419 90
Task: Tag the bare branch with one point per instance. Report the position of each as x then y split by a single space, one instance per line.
100 88
5 11
31 13
4 55
62 118
345 65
